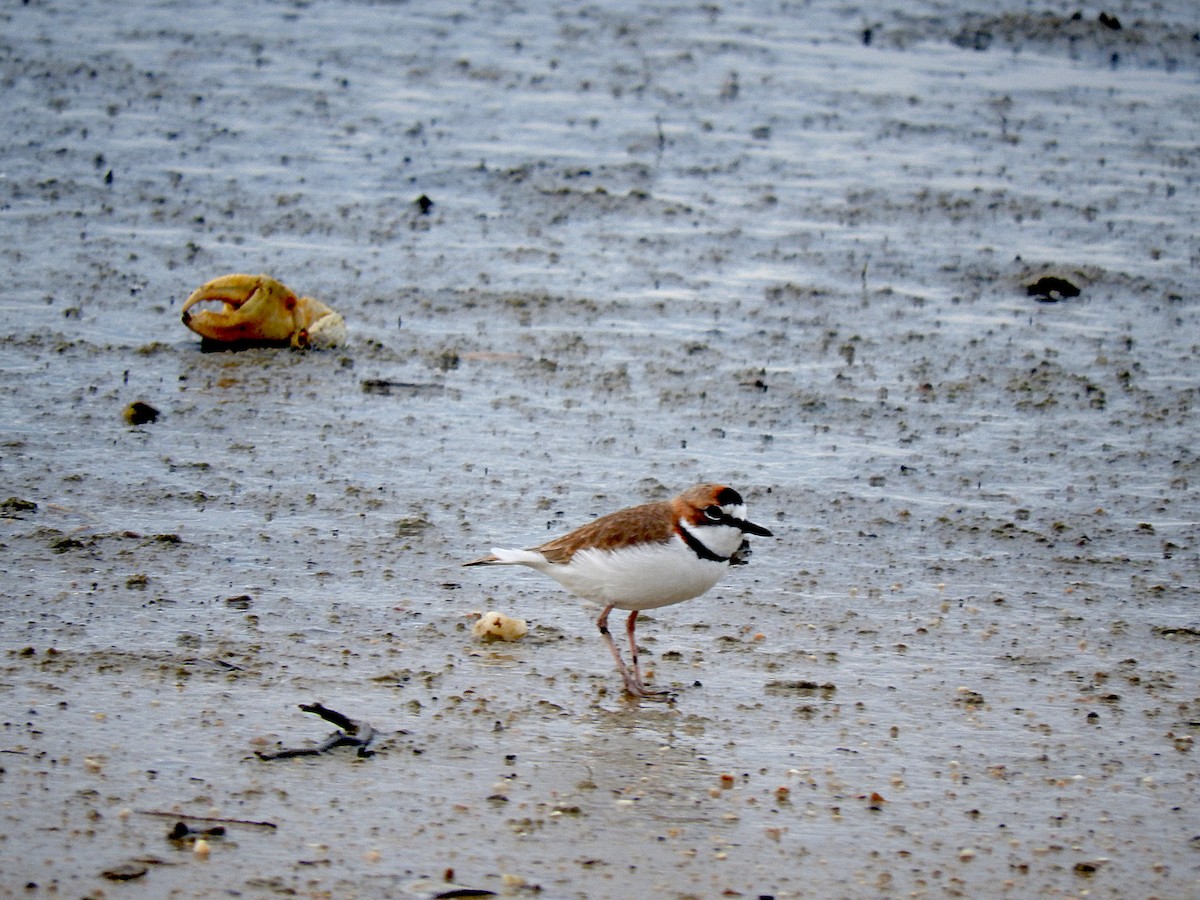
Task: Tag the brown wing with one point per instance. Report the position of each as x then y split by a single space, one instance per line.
650 523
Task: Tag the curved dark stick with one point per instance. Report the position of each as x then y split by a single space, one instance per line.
350 734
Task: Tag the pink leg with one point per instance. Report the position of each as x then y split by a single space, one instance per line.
630 625
633 680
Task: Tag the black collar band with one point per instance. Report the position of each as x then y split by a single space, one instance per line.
699 547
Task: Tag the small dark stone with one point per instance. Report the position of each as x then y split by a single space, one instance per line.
1110 21
14 505
140 413
424 204
1051 288
63 544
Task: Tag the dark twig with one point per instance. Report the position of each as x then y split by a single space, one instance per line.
345 723
172 814
349 734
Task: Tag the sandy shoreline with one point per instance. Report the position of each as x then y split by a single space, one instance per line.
666 245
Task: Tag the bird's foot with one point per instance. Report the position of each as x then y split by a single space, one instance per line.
635 687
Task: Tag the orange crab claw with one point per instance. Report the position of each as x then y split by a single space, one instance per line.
257 309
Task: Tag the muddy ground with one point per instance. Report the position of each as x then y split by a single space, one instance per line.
785 248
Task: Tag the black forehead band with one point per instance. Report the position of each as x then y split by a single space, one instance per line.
728 496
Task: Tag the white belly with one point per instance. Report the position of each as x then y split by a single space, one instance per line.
637 578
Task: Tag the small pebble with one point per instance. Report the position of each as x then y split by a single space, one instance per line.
140 413
495 626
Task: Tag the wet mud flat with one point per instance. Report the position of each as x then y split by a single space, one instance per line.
664 246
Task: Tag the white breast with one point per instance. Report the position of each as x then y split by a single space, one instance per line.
640 577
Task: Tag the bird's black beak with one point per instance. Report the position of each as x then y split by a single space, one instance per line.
751 528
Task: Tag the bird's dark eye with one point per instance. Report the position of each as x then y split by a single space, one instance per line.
714 514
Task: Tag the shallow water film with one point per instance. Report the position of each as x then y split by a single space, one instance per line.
919 280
